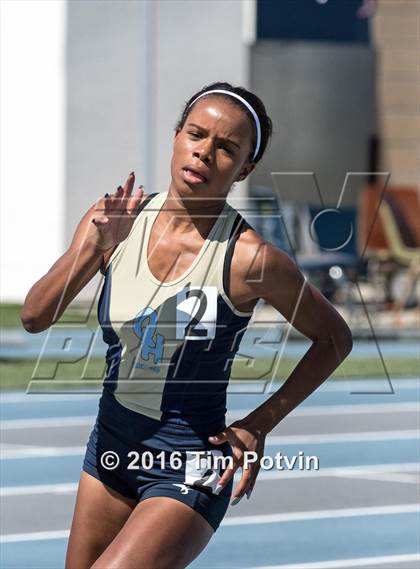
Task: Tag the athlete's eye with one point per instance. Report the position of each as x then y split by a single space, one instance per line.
226 148
198 135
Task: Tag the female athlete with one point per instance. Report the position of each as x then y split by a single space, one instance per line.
183 272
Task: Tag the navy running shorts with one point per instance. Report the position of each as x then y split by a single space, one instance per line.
141 457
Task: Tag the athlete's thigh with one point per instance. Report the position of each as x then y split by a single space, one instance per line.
161 533
99 514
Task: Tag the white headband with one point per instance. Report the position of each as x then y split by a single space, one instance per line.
247 105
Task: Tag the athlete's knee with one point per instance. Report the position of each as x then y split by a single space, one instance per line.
78 558
140 562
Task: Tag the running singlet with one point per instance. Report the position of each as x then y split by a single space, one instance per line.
171 344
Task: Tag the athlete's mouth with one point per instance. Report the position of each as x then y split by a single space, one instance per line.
194 175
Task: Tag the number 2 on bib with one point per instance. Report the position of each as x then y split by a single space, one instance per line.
196 313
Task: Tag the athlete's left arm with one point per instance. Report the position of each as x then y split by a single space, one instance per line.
275 277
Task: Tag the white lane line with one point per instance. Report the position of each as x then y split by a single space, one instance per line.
250 520
47 422
341 385
349 471
10 398
321 514
325 410
64 488
352 384
402 478
344 437
342 563
9 452
41 452
349 385
340 471
308 411
34 536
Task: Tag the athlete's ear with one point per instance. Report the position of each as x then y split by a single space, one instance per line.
245 172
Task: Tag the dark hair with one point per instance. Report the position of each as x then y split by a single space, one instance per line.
253 100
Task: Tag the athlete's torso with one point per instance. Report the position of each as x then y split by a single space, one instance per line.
171 344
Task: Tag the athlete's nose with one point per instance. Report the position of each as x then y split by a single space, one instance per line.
204 153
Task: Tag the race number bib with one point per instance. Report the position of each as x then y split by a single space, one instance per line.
196 313
200 470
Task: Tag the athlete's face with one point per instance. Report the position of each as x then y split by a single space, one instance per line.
216 141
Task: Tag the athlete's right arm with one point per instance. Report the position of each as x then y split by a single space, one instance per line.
91 246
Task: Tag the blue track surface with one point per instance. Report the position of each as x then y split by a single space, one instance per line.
261 541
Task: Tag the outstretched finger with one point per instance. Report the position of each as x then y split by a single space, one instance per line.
111 202
119 193
135 200
227 475
242 485
129 184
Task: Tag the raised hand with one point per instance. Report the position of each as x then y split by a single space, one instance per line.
115 215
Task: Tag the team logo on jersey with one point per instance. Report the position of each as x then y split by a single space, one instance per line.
151 343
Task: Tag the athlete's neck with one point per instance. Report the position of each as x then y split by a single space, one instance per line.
189 213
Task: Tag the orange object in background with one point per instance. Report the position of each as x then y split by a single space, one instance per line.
375 236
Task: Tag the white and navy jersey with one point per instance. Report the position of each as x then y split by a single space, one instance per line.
171 344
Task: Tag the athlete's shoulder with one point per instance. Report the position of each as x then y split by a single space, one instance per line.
256 256
249 244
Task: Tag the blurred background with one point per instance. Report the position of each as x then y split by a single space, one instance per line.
91 90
